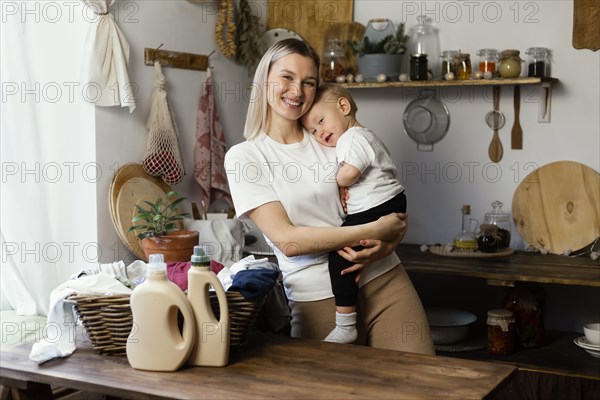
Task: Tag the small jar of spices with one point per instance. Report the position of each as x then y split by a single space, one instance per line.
418 67
501 332
539 62
447 57
510 64
462 66
488 60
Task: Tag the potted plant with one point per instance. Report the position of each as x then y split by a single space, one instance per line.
380 51
160 230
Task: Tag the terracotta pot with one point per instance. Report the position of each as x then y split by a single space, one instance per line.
175 246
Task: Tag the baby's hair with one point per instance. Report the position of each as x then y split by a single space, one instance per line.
330 92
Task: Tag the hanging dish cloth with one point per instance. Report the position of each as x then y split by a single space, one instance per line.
108 55
163 154
209 152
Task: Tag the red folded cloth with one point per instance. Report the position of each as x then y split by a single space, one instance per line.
177 272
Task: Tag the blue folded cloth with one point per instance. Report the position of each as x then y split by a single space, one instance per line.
254 284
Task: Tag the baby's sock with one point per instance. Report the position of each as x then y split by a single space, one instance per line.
345 329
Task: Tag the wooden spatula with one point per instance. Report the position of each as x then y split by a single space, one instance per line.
516 134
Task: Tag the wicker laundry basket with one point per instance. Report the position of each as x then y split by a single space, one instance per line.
108 320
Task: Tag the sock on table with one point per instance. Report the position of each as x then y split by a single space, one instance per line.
345 329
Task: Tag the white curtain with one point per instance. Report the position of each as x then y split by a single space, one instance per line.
48 207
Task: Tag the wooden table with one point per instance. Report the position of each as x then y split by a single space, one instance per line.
272 366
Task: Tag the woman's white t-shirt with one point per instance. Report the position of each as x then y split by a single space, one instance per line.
301 176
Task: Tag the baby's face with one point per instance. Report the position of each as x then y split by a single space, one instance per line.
325 121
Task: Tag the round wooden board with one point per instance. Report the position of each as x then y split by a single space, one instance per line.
557 207
130 173
441 251
134 191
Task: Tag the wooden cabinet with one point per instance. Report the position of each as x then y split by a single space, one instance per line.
559 363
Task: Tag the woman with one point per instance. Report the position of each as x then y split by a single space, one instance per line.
283 180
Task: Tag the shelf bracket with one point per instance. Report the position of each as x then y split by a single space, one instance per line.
545 102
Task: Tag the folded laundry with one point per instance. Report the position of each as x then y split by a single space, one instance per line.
254 284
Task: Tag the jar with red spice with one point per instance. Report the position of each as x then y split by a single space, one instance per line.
501 332
488 60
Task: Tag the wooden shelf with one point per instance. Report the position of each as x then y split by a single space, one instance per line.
521 266
559 355
440 84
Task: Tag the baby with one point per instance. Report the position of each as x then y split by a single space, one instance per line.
367 170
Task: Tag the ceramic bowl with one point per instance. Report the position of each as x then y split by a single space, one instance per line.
449 325
592 333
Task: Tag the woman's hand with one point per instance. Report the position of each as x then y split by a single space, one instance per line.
374 249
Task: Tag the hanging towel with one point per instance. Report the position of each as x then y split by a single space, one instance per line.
108 56
210 148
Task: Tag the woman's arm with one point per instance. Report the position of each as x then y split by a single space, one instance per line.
272 219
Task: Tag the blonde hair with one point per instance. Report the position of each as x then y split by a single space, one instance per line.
330 92
257 109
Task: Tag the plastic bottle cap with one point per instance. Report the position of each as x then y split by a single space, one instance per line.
200 255
156 264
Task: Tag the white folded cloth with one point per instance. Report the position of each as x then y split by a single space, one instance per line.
62 319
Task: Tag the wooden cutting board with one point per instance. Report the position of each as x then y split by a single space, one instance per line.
557 207
309 19
586 28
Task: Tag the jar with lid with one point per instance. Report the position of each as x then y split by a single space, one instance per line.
501 332
333 62
418 67
462 66
495 231
448 62
510 64
539 62
488 60
424 39
528 306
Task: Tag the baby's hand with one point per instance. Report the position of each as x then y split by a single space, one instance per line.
392 226
344 198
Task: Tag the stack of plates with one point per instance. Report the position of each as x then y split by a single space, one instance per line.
585 344
131 185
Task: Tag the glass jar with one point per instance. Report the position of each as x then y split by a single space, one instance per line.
333 62
424 39
447 57
510 64
462 66
539 62
495 231
418 67
527 304
501 332
488 60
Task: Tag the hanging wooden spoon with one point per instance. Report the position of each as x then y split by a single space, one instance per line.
495 150
516 134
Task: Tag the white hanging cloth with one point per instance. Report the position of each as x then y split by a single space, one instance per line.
108 55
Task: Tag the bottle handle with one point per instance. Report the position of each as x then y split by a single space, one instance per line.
475 226
188 334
